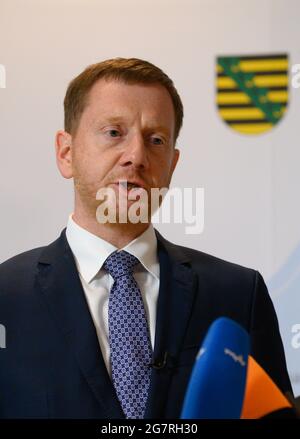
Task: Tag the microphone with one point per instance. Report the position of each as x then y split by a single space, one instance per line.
217 384
263 399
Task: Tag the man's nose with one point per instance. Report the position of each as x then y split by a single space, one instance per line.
136 152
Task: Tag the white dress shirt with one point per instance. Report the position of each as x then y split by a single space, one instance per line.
90 252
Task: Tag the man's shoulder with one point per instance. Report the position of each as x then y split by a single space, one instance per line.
206 259
22 259
203 262
21 268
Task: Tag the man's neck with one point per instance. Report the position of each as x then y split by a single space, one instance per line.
117 234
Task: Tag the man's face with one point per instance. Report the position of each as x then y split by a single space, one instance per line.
126 132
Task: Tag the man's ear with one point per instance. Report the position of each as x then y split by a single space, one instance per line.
175 159
63 146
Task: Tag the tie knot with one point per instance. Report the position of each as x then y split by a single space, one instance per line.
120 263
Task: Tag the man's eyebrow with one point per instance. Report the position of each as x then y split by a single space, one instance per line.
150 127
112 119
158 128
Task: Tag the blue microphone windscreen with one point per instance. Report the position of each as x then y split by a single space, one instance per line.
217 384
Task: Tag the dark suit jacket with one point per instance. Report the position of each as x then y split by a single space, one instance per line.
52 366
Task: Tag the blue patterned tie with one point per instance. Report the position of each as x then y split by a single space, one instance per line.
130 347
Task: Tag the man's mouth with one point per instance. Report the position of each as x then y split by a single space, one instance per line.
129 185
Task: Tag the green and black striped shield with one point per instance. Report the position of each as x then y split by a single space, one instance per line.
252 91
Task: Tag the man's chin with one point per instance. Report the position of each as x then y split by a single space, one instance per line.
121 216
125 207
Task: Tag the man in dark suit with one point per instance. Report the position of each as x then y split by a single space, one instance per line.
76 347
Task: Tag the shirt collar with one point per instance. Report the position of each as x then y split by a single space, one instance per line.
90 251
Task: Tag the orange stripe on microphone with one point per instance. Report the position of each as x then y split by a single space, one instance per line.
262 396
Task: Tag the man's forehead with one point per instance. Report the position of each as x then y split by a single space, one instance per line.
153 96
112 101
104 87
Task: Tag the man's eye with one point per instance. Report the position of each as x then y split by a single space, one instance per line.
157 141
114 133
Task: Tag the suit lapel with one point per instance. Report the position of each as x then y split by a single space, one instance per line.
177 289
61 289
